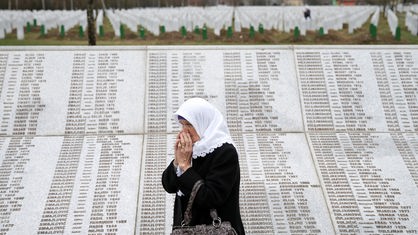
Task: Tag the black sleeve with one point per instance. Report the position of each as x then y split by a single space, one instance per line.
169 179
218 183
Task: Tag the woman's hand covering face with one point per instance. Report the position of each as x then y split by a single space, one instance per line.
183 149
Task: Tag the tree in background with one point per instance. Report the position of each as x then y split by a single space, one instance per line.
391 4
91 23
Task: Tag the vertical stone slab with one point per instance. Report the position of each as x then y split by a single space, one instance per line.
70 140
362 151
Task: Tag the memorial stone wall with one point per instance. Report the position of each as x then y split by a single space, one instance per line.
327 136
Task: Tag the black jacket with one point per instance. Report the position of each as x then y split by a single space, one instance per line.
221 174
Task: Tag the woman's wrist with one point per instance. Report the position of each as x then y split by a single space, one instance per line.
184 167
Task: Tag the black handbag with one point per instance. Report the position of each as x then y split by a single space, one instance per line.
218 227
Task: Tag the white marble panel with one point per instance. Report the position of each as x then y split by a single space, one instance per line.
358 89
70 185
155 206
255 89
368 179
32 164
290 189
51 91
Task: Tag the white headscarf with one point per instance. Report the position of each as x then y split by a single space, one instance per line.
209 124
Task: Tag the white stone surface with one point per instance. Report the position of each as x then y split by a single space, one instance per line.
96 195
111 83
327 135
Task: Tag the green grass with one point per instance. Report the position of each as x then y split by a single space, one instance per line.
270 37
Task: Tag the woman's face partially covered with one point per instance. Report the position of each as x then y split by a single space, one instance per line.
187 127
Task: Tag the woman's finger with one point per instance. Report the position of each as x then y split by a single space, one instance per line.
187 138
183 138
177 144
